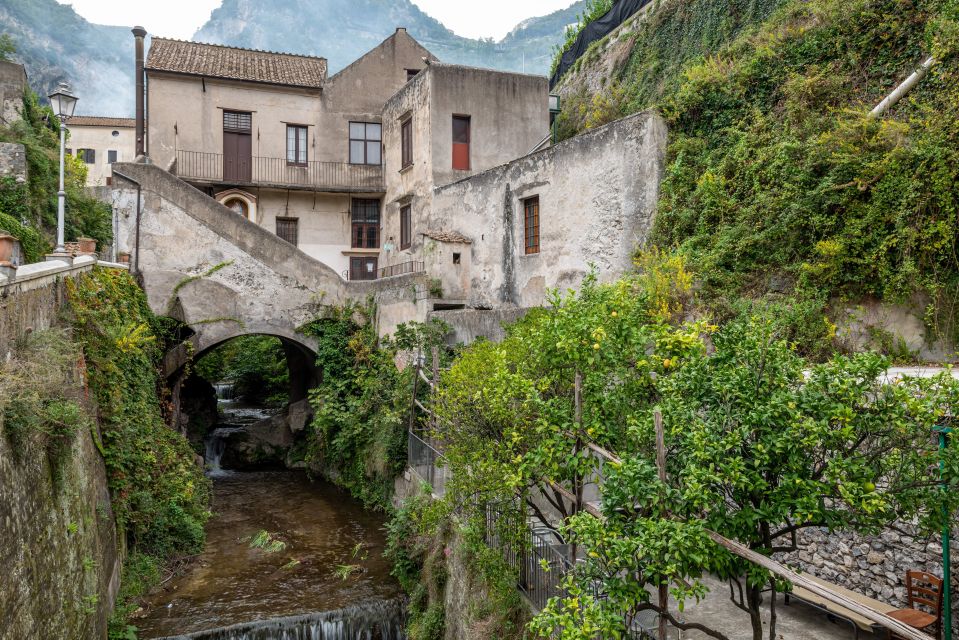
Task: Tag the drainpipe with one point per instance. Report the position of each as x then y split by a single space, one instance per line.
890 101
136 242
138 34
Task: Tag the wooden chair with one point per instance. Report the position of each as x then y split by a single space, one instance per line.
924 595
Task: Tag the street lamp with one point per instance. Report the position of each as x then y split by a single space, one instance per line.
63 103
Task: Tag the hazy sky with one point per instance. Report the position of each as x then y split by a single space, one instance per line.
181 18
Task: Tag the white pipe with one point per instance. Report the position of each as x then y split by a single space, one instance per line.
890 101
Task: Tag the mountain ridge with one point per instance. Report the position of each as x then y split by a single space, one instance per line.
56 44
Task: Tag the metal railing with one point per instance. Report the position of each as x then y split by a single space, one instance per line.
335 176
537 555
403 268
540 564
428 463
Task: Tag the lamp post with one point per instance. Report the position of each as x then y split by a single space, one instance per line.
63 102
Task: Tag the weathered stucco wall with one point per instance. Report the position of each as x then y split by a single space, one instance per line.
508 116
186 113
470 324
358 92
597 196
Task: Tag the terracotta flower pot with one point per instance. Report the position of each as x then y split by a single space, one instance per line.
7 245
123 257
87 245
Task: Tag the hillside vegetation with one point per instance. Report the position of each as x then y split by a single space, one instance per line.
778 185
28 210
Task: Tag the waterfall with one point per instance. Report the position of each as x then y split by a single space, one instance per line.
224 391
215 445
380 620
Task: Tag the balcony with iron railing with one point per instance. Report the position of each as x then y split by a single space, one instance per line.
201 166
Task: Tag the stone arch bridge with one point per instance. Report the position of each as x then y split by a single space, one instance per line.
224 276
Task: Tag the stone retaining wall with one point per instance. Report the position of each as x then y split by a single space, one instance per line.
874 566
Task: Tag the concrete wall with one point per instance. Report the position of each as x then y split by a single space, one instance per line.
509 115
102 140
13 82
470 324
597 194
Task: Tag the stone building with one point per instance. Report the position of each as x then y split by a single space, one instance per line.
100 142
403 166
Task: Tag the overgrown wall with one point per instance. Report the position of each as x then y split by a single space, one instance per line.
58 543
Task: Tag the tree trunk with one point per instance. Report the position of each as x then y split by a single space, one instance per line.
753 597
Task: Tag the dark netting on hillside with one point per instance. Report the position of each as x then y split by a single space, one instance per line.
596 30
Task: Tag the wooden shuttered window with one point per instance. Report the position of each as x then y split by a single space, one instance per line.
288 229
406 226
461 143
531 224
406 136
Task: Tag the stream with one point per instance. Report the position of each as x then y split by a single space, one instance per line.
285 558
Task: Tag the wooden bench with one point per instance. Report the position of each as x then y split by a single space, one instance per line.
856 621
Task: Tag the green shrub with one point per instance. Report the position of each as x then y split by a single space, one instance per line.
34 205
358 434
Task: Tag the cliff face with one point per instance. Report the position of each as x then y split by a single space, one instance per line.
55 44
309 27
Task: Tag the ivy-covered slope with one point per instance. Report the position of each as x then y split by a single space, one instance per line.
159 494
777 183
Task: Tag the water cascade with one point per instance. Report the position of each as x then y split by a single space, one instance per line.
382 620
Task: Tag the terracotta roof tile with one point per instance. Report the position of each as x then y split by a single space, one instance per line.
233 63
447 236
100 121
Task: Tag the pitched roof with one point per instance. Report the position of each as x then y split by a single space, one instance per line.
100 121
447 236
233 63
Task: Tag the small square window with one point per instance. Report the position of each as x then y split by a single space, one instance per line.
456 258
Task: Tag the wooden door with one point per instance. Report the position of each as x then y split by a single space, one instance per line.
237 146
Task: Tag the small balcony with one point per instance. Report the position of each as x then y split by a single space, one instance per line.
337 177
